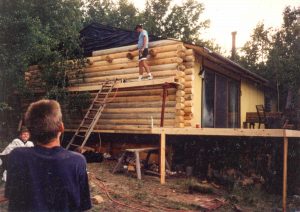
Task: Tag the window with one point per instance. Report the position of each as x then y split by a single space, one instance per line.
233 104
208 90
220 101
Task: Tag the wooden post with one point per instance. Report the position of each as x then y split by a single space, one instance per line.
138 165
285 158
163 157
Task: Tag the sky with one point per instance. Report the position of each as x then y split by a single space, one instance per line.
242 16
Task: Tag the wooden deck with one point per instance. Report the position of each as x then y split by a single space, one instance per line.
163 132
283 133
205 132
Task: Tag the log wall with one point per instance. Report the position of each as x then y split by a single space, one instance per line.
138 107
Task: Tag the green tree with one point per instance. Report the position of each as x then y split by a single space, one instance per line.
39 32
257 49
160 17
184 21
275 54
122 14
284 57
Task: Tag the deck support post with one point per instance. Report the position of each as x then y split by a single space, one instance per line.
163 157
285 158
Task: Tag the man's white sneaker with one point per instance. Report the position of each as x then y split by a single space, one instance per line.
150 77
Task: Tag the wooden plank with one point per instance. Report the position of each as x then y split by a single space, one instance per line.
292 133
200 131
142 149
123 131
163 157
136 83
222 132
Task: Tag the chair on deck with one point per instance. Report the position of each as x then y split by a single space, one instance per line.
262 119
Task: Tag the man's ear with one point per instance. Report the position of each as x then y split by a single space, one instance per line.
61 128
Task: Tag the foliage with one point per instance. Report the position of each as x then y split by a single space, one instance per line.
160 17
256 51
39 32
284 59
275 54
122 15
79 103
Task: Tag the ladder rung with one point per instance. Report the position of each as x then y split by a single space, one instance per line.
88 118
84 127
93 109
74 145
82 136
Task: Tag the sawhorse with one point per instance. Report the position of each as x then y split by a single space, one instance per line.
136 153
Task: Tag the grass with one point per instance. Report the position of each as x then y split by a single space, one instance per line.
254 198
140 195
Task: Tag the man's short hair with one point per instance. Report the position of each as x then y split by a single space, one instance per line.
43 119
138 26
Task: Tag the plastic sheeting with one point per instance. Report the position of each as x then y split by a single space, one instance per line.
97 36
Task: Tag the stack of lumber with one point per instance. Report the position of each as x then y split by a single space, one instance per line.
136 108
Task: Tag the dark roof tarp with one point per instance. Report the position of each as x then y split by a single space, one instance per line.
97 37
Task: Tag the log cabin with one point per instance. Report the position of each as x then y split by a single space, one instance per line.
192 86
197 87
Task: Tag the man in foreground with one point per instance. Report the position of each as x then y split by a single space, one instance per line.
143 43
46 177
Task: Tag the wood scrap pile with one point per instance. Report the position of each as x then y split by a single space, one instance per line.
229 177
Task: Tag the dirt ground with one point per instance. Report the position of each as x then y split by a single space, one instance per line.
123 192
